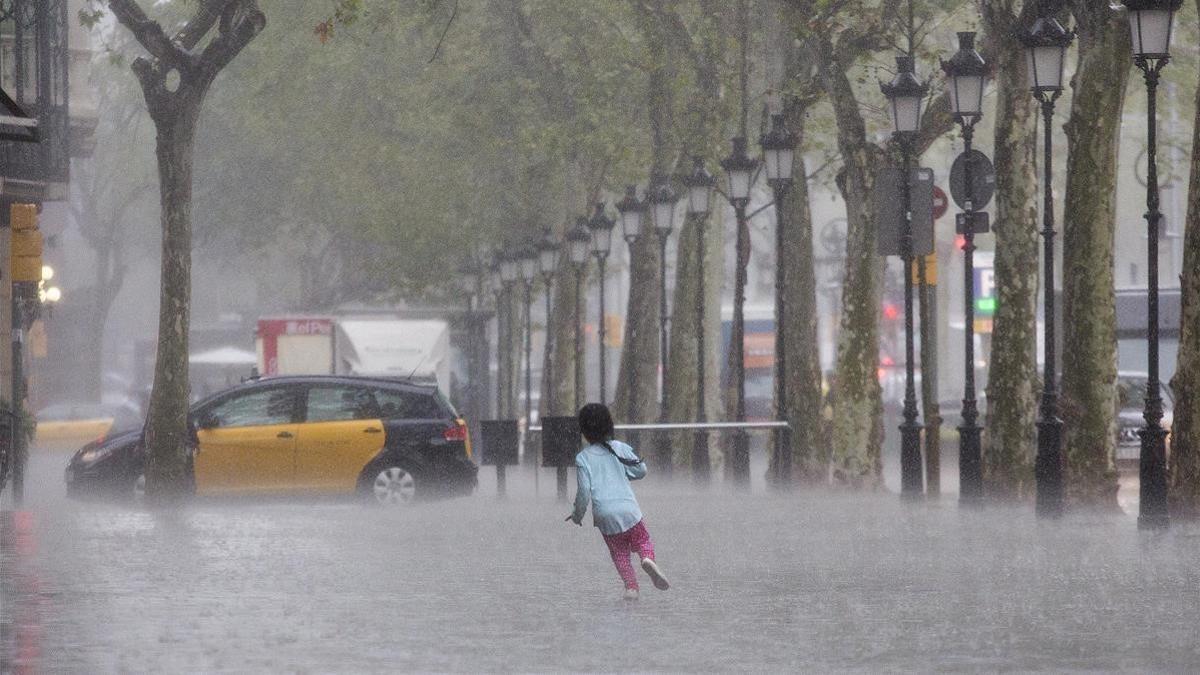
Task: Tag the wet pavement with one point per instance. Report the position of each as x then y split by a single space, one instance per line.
816 582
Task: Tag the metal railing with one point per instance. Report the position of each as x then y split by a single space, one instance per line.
683 426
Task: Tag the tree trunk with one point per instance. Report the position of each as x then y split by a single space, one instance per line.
1012 387
802 370
1185 429
637 385
857 404
175 108
639 355
1089 221
166 421
927 290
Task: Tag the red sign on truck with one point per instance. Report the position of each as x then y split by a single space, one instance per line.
295 345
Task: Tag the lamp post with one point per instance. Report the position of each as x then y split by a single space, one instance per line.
1150 27
510 271
601 227
905 94
1046 45
548 253
497 283
469 280
699 184
779 151
632 213
528 259
740 171
662 201
578 241
965 74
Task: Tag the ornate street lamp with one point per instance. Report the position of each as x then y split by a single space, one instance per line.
699 184
740 169
1150 24
779 154
470 279
578 242
1046 45
510 272
662 200
529 260
549 250
965 75
905 93
601 227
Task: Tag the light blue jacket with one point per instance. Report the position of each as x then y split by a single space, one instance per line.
604 481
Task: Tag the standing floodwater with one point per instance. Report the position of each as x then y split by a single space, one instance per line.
814 582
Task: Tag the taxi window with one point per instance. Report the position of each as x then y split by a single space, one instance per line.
398 404
336 404
260 408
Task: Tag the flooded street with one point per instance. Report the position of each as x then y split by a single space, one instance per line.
814 582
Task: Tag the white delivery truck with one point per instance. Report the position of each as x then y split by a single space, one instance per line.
382 346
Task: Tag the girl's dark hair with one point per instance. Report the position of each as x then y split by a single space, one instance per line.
596 423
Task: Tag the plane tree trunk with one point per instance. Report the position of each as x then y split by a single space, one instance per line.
174 81
1185 430
1089 221
1012 387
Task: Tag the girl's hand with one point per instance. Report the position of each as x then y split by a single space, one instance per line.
571 518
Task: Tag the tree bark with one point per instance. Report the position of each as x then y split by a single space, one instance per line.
1089 221
1012 387
637 385
930 405
1185 429
802 370
857 406
166 421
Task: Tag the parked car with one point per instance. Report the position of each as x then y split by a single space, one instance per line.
390 441
67 425
1131 401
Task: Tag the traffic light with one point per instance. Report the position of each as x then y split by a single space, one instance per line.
26 257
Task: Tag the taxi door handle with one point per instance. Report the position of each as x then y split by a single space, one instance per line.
372 430
284 434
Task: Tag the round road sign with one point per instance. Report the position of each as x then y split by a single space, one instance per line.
983 177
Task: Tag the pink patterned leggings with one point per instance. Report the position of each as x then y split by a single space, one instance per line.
635 539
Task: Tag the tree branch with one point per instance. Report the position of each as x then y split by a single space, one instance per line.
240 22
149 33
205 18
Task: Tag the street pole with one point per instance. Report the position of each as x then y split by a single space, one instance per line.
741 440
700 454
579 374
19 446
783 446
1048 465
560 471
970 453
601 261
501 349
531 452
910 429
1152 465
663 442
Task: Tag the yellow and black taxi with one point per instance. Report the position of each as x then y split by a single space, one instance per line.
390 441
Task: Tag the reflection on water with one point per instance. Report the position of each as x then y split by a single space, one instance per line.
815 582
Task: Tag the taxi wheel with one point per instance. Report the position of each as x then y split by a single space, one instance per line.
390 485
